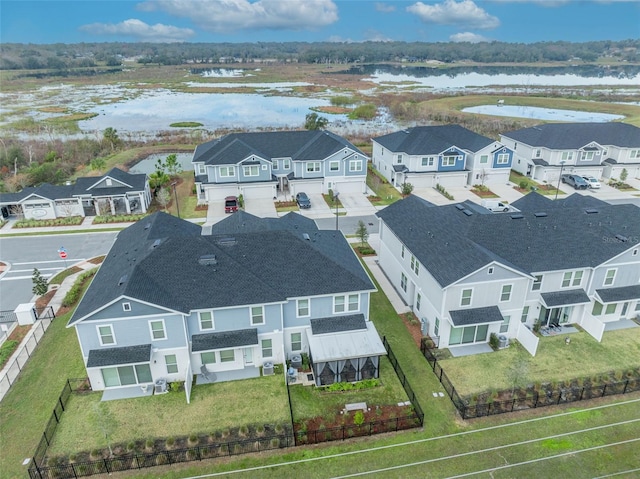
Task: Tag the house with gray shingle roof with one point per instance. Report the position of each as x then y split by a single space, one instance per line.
265 165
116 192
169 303
601 150
467 275
449 155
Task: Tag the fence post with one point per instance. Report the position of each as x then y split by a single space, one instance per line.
73 468
604 390
106 465
56 416
626 383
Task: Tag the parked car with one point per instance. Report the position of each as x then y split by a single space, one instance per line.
592 181
230 204
495 205
303 200
578 182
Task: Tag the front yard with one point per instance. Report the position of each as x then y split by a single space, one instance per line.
525 185
582 358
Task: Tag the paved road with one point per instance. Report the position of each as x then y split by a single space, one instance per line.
23 254
349 224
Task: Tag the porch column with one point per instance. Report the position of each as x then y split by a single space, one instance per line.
127 205
112 205
143 203
96 204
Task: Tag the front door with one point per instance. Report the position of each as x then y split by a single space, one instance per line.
248 356
625 308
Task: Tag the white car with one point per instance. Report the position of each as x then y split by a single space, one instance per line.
592 181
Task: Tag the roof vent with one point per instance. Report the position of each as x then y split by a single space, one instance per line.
624 239
459 206
207 260
517 216
540 214
229 241
156 243
147 226
590 211
123 279
467 212
306 236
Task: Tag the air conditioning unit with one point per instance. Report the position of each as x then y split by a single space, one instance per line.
161 386
267 369
296 361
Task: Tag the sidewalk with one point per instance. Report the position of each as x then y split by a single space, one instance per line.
11 369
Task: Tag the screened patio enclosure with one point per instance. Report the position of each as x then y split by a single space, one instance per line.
344 349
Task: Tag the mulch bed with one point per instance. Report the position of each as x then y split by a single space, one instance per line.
412 323
96 260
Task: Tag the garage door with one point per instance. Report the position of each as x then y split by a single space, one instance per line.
259 191
452 180
308 187
349 187
216 193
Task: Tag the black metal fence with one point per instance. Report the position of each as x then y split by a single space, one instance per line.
528 399
44 313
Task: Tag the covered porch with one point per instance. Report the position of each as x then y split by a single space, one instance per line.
557 307
344 349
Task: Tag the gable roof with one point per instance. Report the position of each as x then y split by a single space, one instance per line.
452 244
169 264
534 201
243 222
426 140
304 145
564 136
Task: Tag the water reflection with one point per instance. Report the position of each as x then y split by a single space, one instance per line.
538 113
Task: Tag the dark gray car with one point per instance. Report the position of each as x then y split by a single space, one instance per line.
577 181
303 200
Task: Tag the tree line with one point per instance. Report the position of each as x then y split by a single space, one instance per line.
16 56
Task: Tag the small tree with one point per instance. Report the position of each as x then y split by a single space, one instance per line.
110 135
40 284
172 165
624 174
517 372
163 197
406 189
362 233
314 122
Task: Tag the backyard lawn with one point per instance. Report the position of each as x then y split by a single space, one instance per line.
213 407
385 193
555 360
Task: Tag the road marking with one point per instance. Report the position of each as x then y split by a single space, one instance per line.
51 261
30 270
14 278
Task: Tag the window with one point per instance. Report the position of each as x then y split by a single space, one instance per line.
465 297
587 155
206 320
227 356
504 326
610 277
208 358
172 363
572 279
275 164
126 306
403 282
399 160
109 182
402 251
634 154
226 171
537 283
355 165
537 153
303 307
490 270
286 164
634 252
449 161
436 328
611 308
415 265
252 170
265 167
428 161
126 375
597 308
334 166
313 167
202 169
505 294
354 302
342 303
267 348
503 159
418 298
296 341
484 159
567 156
157 329
338 304
525 314
469 334
106 335
257 315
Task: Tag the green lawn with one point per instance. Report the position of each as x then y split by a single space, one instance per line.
186 199
386 193
213 407
543 189
308 402
583 357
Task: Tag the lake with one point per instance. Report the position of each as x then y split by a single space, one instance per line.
538 113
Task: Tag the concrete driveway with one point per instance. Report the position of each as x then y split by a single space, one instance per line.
357 205
261 207
319 207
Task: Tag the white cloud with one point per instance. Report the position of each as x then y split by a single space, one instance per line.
223 16
140 30
384 8
464 13
376 36
468 37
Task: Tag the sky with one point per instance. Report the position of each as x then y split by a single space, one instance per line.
514 21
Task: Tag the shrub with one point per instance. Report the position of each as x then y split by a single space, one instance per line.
494 342
73 295
193 439
279 428
358 418
7 349
363 112
523 184
176 386
243 431
171 441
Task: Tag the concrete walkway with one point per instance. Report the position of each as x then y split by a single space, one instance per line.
19 358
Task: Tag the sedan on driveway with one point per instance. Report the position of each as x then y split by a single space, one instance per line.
592 181
303 200
578 182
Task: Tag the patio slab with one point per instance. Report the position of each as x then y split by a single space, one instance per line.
620 324
136 391
469 349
